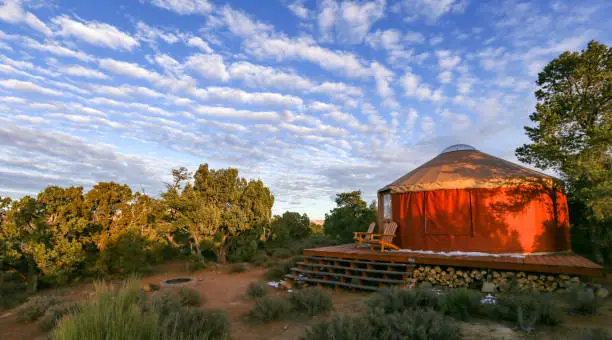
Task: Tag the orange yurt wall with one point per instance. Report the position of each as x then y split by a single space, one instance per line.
522 219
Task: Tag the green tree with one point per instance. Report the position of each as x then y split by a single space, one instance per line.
290 226
351 214
572 135
218 207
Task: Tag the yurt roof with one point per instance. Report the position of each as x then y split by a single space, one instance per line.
462 166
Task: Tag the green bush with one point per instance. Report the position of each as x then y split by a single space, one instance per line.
282 253
460 304
189 297
12 289
423 324
341 327
582 300
237 268
260 259
527 310
55 313
111 315
165 303
188 324
126 255
34 308
594 334
311 301
391 300
278 270
256 290
195 263
243 248
269 308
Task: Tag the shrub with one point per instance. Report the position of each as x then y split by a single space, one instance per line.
237 268
111 315
594 334
414 324
528 309
189 297
460 304
165 303
269 308
582 300
341 327
311 301
55 313
391 300
278 270
34 308
12 289
187 324
195 263
260 259
256 290
282 253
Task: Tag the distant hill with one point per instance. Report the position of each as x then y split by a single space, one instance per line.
317 222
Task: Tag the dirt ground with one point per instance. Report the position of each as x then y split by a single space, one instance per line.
223 290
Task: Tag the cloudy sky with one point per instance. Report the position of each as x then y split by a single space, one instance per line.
314 97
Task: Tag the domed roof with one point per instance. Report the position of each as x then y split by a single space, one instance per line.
462 166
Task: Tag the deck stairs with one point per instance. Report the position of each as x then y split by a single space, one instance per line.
351 274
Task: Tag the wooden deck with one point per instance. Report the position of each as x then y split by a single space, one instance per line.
570 264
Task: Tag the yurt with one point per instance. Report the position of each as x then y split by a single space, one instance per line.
464 200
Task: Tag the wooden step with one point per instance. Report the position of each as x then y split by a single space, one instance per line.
365 278
335 283
375 271
373 263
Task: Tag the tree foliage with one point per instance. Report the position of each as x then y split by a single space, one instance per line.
351 214
289 226
572 134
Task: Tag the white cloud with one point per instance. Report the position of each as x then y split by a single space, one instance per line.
56 49
240 24
297 8
95 33
199 43
12 11
447 60
445 77
209 66
316 106
126 69
86 120
411 119
458 122
81 71
414 37
283 48
227 94
26 86
432 10
428 125
413 87
228 112
185 7
264 76
351 21
384 78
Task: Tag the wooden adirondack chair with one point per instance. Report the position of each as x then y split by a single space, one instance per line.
362 236
385 239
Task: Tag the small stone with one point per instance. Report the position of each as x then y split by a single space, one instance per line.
564 277
488 287
602 293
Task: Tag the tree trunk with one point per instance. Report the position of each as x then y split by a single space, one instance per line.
221 250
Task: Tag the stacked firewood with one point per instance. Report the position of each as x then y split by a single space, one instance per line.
503 280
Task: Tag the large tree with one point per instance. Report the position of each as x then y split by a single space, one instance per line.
217 207
572 133
351 214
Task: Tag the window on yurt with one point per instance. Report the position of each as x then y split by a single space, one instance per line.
387 206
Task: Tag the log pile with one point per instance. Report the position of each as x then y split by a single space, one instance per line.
503 280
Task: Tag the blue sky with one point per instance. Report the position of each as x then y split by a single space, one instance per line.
314 97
